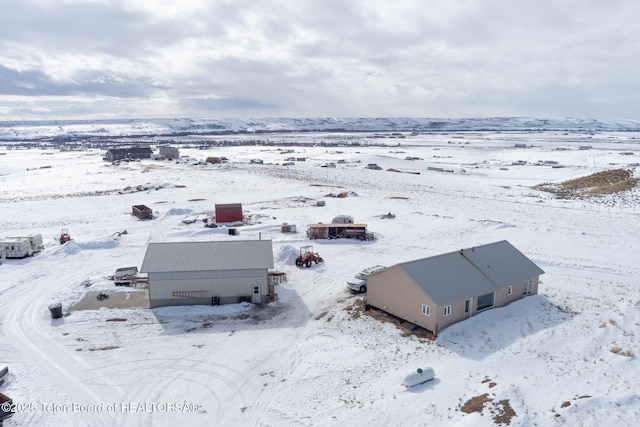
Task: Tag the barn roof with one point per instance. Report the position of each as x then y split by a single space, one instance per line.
228 206
455 276
206 256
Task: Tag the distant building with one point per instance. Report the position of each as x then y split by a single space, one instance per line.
439 291
219 272
115 154
167 152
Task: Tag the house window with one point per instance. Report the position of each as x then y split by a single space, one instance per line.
527 289
510 291
426 310
447 311
485 301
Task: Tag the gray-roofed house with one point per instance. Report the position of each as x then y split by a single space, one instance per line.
219 272
441 290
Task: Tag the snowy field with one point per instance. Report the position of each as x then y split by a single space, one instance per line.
568 356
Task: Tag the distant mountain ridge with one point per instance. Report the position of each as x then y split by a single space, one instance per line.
61 129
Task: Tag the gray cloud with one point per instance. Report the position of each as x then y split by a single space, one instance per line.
91 58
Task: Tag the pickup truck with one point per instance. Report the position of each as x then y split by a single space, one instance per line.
359 282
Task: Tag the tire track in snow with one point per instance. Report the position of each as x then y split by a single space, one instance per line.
24 322
163 372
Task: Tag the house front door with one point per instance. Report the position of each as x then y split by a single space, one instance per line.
467 308
256 298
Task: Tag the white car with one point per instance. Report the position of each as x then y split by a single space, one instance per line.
359 282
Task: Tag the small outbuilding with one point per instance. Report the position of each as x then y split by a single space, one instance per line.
229 212
218 272
441 290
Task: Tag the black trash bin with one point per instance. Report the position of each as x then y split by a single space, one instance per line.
56 310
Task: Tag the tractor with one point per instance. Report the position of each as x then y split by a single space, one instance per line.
307 257
64 236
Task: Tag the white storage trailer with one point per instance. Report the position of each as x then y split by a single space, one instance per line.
36 241
16 248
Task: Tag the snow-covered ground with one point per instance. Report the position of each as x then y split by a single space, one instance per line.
568 356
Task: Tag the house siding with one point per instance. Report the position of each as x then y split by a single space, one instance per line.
457 314
393 291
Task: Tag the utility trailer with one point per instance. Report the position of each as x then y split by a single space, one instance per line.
37 244
125 273
338 231
16 247
142 211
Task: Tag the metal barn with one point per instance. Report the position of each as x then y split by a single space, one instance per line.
203 273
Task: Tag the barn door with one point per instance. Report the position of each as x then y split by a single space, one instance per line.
256 298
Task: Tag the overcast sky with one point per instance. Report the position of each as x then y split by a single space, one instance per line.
319 58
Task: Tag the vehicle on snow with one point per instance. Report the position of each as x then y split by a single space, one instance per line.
359 282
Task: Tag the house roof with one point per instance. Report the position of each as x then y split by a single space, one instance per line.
454 276
502 263
167 149
206 256
448 278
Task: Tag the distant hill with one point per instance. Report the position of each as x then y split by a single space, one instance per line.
65 129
